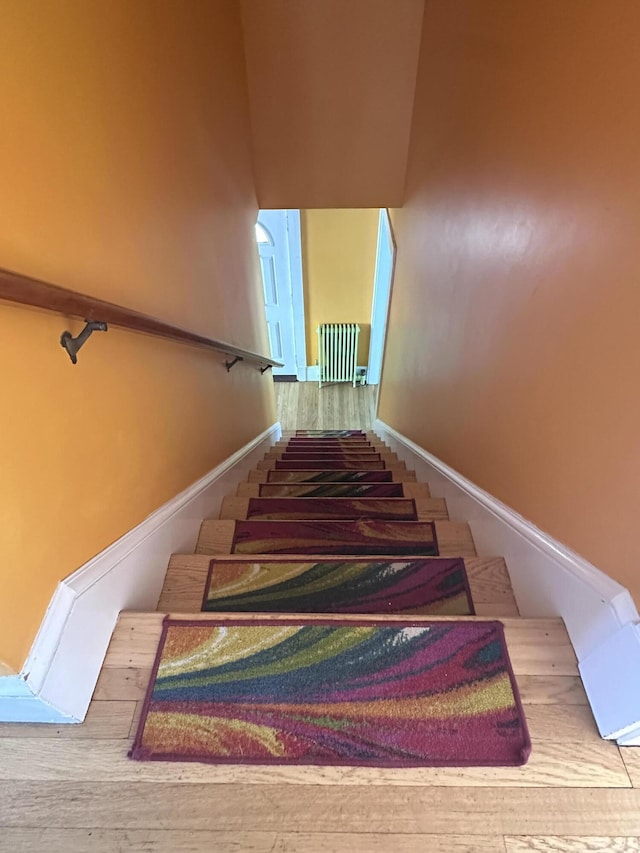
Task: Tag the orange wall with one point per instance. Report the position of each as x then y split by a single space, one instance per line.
126 174
331 91
514 351
339 261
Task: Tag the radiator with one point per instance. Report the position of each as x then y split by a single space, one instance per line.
338 352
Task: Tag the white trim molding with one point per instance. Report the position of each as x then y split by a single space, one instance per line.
294 241
312 373
382 286
59 676
548 579
612 670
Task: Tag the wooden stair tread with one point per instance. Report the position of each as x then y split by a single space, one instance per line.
454 538
186 577
554 763
536 646
315 818
425 509
319 464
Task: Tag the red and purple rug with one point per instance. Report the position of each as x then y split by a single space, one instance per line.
365 693
330 476
428 586
332 433
330 448
332 490
307 463
367 536
328 455
338 443
284 509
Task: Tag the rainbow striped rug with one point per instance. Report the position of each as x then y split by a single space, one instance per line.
437 587
346 693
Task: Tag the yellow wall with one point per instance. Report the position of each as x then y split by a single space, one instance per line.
331 88
339 259
126 174
513 351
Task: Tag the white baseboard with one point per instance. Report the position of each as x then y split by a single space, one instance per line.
312 373
548 578
18 704
630 739
59 676
613 670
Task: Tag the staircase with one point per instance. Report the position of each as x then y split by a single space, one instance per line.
354 483
329 496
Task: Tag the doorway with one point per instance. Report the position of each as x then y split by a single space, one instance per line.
349 261
279 248
382 283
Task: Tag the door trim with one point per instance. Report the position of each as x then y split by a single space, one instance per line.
381 300
294 240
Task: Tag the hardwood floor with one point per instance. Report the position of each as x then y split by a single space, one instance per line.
302 405
73 788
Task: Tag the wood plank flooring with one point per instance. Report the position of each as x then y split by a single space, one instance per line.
302 405
73 789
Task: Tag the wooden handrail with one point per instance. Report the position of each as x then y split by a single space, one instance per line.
24 290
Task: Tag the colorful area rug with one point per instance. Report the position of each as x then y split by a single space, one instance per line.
397 538
435 587
335 464
338 451
326 455
332 476
286 509
332 490
338 443
366 694
329 446
332 433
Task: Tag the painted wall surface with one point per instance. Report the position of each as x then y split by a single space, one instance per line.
338 260
331 88
126 174
513 350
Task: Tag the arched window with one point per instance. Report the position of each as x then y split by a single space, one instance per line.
262 235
